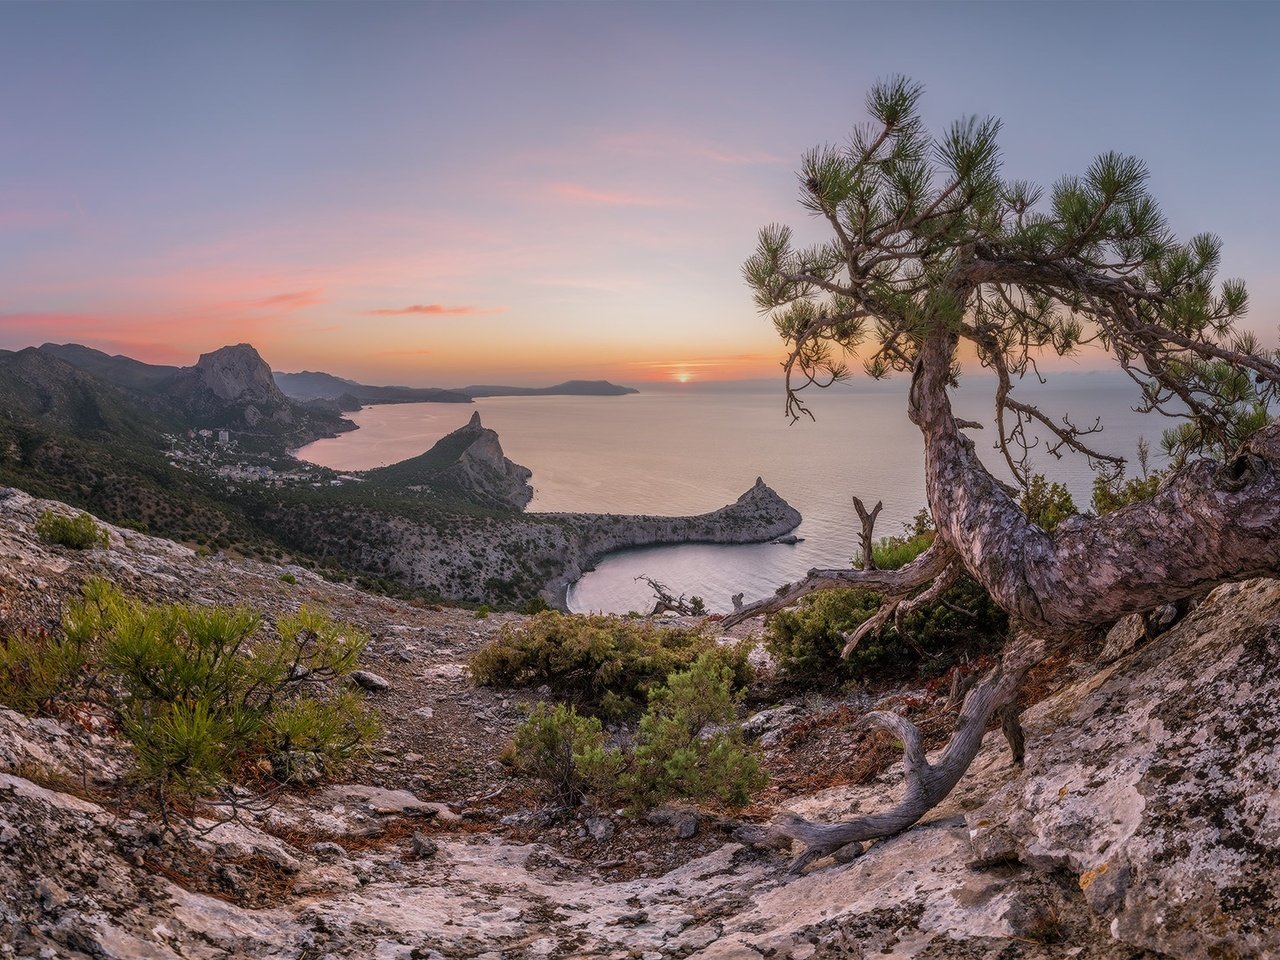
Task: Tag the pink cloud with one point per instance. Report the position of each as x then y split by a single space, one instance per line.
291 301
434 309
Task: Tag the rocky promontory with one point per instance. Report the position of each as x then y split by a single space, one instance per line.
470 462
758 516
508 557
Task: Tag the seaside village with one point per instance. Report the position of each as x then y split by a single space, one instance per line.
217 453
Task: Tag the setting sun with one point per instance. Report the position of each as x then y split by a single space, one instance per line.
682 376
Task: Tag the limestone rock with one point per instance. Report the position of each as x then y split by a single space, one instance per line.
1158 785
368 680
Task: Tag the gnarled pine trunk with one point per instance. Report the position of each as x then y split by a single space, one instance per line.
1208 524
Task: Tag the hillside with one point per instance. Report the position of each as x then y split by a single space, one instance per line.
411 528
1142 826
470 461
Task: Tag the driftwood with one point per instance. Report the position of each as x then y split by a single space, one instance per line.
667 602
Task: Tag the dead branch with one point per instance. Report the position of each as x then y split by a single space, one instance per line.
868 531
898 583
665 601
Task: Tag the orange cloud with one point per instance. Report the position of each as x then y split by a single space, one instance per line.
433 309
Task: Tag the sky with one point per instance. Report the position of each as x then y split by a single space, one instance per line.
439 194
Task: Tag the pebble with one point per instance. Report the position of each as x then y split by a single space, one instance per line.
328 850
424 847
370 681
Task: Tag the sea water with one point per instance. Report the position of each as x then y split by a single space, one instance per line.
673 450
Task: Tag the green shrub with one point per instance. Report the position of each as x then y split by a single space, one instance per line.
806 641
288 578
482 611
535 605
565 752
890 553
37 669
210 696
688 744
606 665
309 736
1046 504
1115 492
80 532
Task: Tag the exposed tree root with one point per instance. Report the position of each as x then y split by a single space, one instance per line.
927 783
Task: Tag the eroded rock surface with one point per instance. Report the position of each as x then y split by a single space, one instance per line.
1146 823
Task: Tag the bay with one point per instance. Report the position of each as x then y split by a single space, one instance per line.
685 449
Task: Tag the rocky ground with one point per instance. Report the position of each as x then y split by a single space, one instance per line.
1146 822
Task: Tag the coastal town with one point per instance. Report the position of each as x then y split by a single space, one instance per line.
216 453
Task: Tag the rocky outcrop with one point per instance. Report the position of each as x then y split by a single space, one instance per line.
467 464
1158 789
484 470
232 386
238 374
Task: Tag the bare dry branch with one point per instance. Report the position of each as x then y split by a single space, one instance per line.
868 520
898 582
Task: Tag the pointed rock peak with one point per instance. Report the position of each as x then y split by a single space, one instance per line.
239 373
759 481
475 420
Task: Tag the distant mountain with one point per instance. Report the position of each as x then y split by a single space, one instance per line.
311 385
39 386
570 388
231 388
120 370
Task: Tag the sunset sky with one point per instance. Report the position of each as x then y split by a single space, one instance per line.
445 193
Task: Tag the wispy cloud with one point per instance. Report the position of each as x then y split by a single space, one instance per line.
293 301
580 193
434 310
672 143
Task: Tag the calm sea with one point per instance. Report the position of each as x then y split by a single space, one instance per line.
684 450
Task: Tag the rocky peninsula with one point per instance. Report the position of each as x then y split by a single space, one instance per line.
500 554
